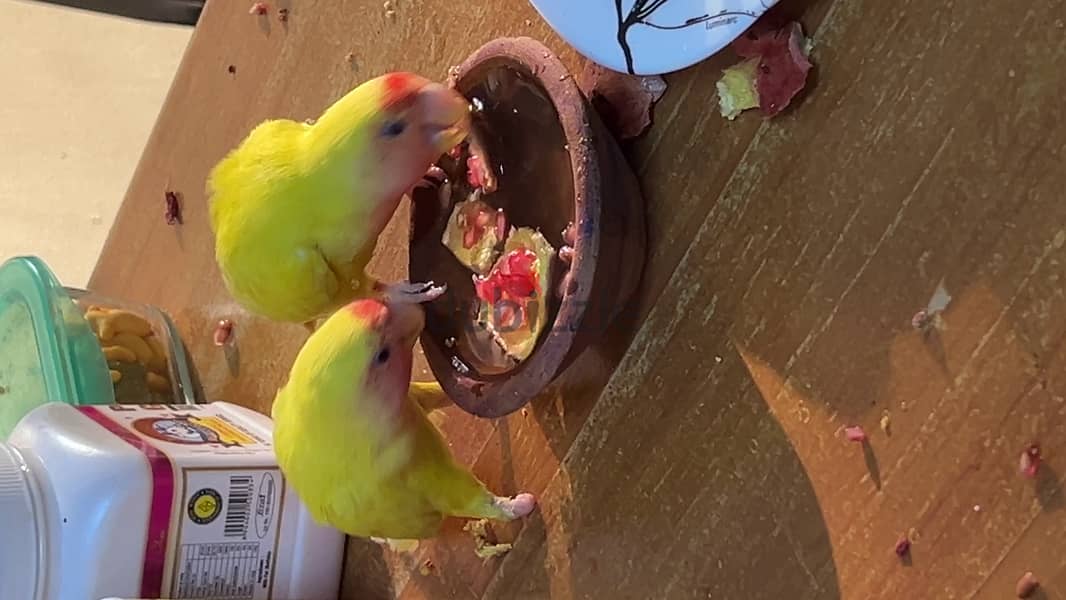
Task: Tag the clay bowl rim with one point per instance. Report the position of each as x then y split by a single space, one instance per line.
499 397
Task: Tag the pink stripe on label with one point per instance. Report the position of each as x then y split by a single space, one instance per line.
162 504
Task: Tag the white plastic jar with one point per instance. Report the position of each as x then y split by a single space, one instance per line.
140 501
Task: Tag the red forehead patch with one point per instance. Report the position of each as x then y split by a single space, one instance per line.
370 312
400 89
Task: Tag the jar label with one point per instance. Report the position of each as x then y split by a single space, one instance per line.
215 514
228 537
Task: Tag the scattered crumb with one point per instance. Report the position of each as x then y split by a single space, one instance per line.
1029 463
570 234
259 8
566 254
427 567
492 550
232 69
525 412
402 546
903 547
717 359
173 208
977 508
483 546
529 22
478 529
1026 585
912 534
1010 73
223 332
886 423
310 121
930 316
283 14
350 58
855 433
940 299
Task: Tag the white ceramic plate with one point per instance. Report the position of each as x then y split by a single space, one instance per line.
650 37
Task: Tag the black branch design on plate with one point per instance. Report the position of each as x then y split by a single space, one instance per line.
642 11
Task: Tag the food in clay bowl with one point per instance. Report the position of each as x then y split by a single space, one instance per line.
535 224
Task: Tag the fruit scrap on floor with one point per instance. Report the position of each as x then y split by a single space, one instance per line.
855 434
774 70
886 423
903 547
173 210
623 101
1029 463
929 318
223 332
259 8
1026 585
484 546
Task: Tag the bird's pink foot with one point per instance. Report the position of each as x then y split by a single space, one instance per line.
517 507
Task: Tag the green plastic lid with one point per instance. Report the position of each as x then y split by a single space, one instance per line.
48 352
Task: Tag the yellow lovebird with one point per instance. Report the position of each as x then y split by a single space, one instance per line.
297 208
353 439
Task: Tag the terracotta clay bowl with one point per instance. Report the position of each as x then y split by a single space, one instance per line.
556 164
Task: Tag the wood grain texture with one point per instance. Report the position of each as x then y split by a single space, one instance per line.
786 261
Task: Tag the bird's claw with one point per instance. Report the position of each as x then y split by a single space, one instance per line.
413 293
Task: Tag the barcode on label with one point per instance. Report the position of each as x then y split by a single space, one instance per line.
240 497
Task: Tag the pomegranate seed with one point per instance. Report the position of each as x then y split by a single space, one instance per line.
224 332
501 224
855 434
1029 463
903 547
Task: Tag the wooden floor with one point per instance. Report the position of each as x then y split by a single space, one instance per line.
787 259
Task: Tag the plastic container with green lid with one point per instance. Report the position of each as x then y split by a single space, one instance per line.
61 345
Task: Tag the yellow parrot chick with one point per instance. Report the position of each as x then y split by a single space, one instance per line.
297 208
353 438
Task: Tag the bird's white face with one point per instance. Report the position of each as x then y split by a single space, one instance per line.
394 328
422 120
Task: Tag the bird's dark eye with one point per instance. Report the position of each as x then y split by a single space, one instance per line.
392 129
382 357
